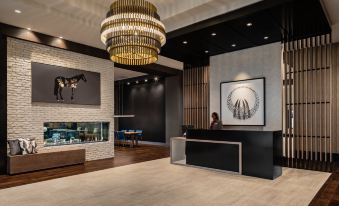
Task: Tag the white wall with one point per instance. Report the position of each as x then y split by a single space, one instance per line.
25 119
262 61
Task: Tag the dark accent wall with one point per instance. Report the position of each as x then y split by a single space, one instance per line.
147 102
3 104
174 107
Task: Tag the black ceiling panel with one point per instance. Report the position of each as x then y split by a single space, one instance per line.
278 20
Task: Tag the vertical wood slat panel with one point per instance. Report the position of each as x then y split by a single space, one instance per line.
333 96
303 60
308 100
300 94
326 99
196 99
320 98
313 96
293 69
298 82
306 66
285 110
316 98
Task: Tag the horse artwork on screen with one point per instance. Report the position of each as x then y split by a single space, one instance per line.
56 84
61 82
243 102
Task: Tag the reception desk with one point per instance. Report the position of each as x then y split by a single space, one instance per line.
251 153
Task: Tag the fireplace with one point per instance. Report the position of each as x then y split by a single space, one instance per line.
68 133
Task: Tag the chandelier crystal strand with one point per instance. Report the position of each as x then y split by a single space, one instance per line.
133 33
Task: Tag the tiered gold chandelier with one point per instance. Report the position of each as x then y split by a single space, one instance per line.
132 32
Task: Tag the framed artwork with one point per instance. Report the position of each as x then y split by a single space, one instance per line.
243 102
54 84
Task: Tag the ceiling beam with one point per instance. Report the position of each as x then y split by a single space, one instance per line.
36 37
152 69
32 36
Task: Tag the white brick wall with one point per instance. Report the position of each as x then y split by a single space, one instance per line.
25 119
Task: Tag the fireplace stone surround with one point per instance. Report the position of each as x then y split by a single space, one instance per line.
26 119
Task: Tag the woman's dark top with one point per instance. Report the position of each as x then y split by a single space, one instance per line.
216 125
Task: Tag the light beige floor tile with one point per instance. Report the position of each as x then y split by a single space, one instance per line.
158 183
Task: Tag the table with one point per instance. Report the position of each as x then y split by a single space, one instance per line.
133 136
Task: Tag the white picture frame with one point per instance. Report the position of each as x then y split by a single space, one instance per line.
242 103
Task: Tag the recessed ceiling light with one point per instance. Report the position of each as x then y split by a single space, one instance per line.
156 79
266 37
17 11
60 37
128 83
233 45
207 52
249 24
185 42
29 29
146 80
137 82
214 34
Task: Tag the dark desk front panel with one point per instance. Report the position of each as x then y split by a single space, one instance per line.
261 151
223 157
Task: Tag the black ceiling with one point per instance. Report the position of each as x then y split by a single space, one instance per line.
275 19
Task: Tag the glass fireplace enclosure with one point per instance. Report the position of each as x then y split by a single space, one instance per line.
66 133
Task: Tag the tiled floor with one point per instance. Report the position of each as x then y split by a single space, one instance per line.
327 196
157 183
123 156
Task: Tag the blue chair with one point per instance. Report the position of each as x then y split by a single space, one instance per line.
131 130
121 137
140 134
116 139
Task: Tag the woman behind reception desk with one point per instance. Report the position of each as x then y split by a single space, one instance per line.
216 124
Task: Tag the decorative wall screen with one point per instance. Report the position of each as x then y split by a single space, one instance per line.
308 101
55 84
196 96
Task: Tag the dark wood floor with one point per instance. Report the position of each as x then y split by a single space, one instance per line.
123 156
328 195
